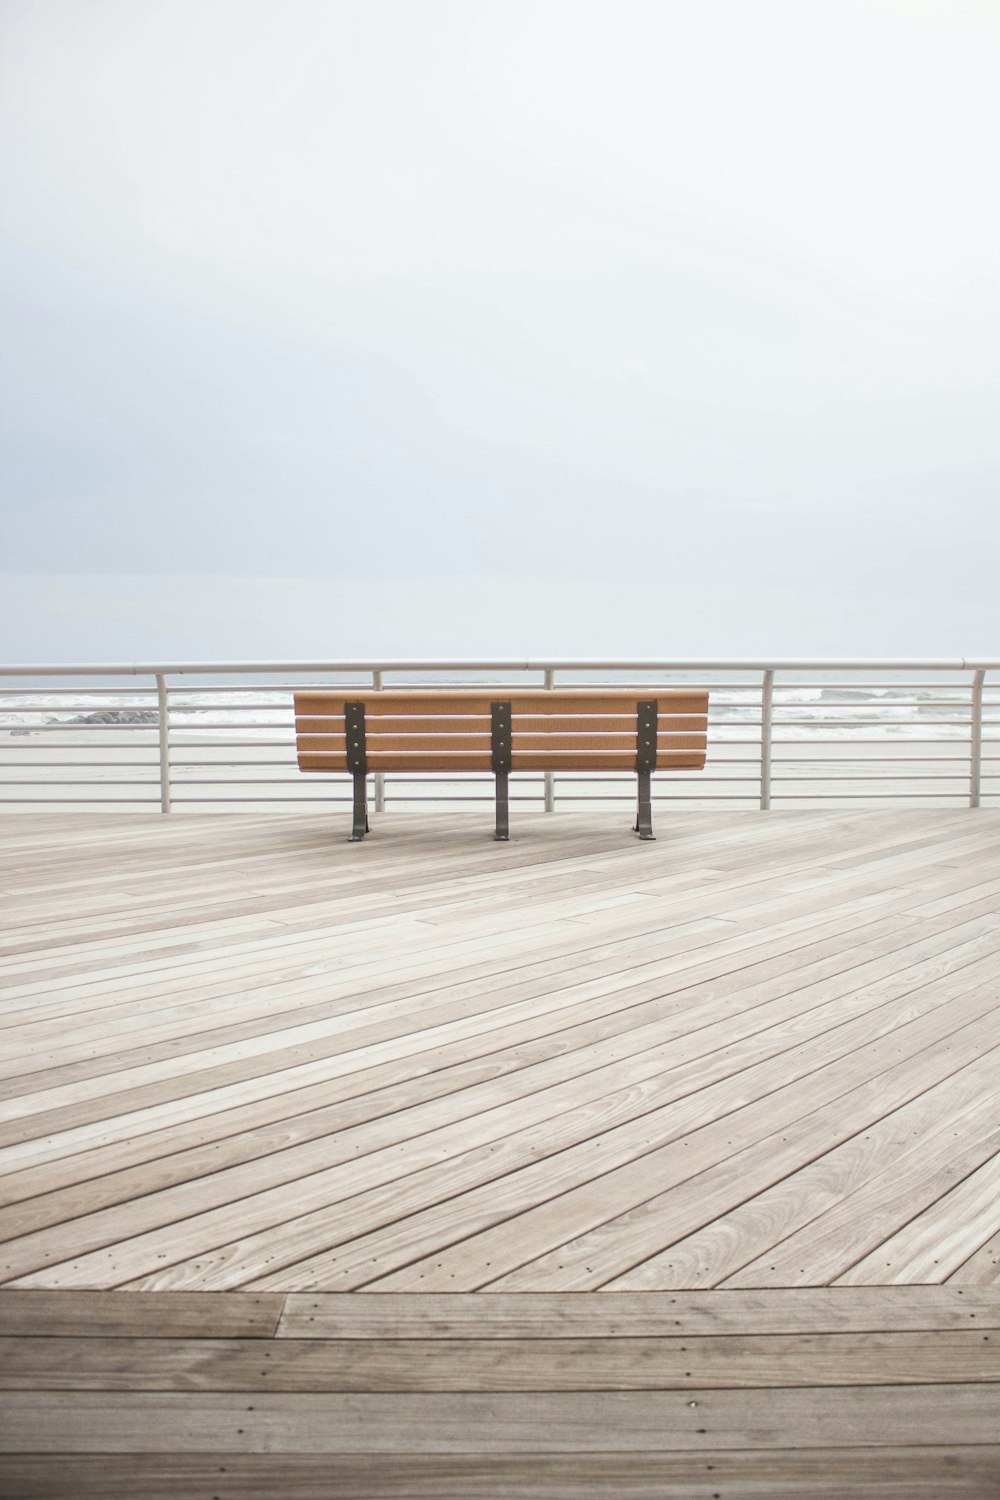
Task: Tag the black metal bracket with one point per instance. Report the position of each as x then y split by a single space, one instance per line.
645 764
501 746
357 764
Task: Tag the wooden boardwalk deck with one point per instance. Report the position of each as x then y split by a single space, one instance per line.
743 1084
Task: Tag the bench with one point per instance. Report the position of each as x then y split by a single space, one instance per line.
532 729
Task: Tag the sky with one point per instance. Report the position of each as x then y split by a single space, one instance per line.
340 328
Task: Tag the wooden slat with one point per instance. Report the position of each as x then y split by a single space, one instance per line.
553 1315
919 1472
536 1422
522 701
742 1361
624 722
459 761
573 738
139 1315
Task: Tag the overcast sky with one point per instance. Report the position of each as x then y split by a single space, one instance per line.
452 326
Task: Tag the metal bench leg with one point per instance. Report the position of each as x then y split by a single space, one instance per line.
644 815
501 741
503 827
360 807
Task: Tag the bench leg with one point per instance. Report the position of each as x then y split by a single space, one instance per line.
644 814
503 828
360 827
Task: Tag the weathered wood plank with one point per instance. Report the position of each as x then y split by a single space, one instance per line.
539 1422
741 1361
611 1315
137 1315
917 1473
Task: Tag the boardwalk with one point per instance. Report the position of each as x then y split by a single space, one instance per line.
308 1151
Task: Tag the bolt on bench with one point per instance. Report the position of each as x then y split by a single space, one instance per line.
586 729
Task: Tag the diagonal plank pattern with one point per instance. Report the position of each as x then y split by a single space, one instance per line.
311 1152
240 1053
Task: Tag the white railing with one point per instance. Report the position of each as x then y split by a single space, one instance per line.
790 732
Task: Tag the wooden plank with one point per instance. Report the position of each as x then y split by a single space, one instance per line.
628 1315
921 1472
139 1315
683 753
425 701
742 1361
459 762
563 738
539 1422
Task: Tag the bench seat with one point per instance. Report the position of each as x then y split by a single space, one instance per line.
531 729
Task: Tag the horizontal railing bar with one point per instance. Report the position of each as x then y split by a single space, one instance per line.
86 801
869 776
75 693
873 703
719 713
890 723
528 664
735 760
781 698
790 691
255 744
84 728
884 740
56 747
237 781
748 797
176 765
146 764
304 801
867 796
868 760
76 781
674 788
275 781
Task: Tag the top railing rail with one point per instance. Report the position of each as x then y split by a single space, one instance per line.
514 664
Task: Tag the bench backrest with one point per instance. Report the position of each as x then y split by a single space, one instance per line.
552 730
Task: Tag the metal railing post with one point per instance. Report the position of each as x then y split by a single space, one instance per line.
163 723
766 718
379 775
976 745
550 780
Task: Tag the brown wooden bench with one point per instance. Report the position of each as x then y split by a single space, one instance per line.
531 729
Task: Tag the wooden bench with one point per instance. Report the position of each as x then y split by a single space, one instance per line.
531 729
